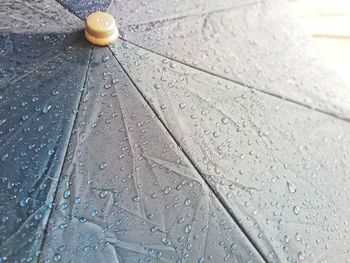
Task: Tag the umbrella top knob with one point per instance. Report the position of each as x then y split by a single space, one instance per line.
100 29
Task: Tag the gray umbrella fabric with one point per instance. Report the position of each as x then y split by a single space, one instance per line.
209 132
128 194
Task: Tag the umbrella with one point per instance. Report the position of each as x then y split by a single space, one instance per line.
208 132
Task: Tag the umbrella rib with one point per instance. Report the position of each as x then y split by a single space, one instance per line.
65 154
237 82
224 205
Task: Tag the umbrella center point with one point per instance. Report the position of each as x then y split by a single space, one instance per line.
100 29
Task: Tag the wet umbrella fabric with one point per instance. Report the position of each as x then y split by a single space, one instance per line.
170 145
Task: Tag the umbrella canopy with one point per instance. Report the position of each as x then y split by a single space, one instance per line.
208 132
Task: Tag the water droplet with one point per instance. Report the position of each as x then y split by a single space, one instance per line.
103 165
66 194
103 194
24 202
296 210
187 202
10 185
77 200
224 120
182 105
291 187
56 257
46 108
167 190
286 239
188 228
4 157
105 58
180 220
54 92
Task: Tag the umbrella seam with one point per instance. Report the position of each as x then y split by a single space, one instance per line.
65 155
225 206
237 82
